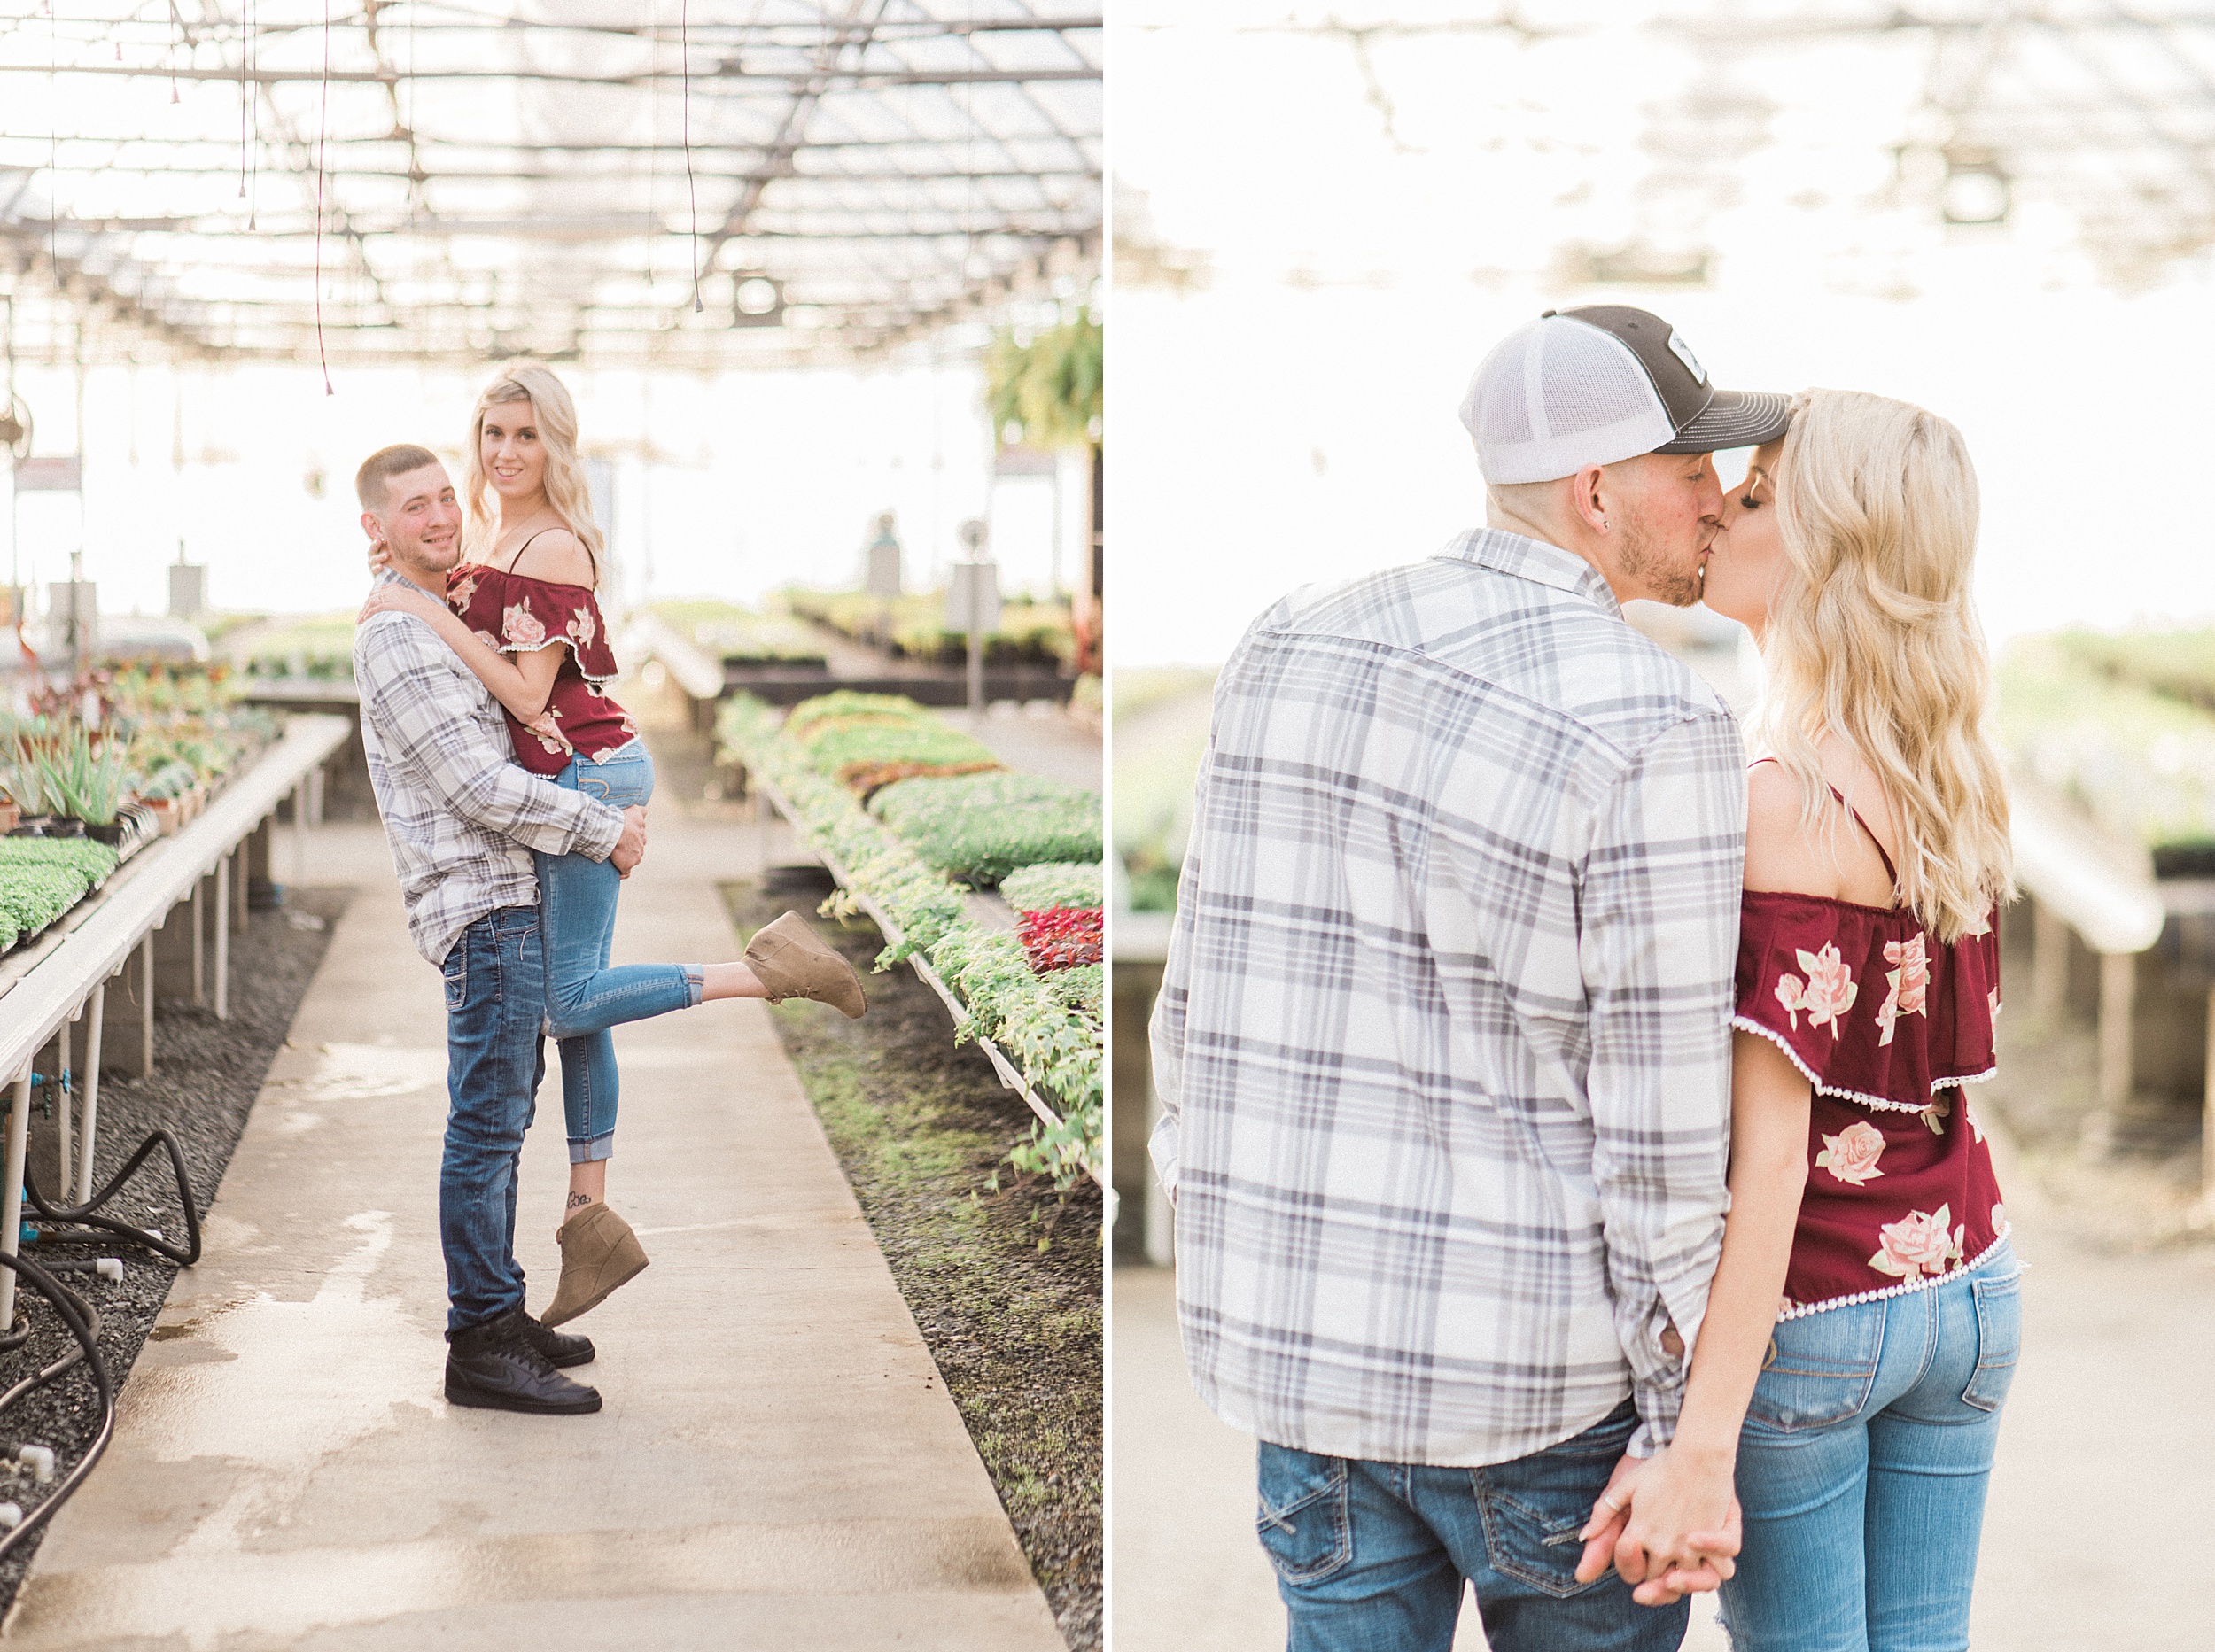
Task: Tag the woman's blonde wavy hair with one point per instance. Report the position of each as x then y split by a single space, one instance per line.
1873 636
567 488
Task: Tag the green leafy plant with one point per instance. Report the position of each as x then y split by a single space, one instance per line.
1052 883
43 878
1045 391
980 828
1051 1030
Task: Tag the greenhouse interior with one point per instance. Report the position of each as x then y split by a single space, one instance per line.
799 309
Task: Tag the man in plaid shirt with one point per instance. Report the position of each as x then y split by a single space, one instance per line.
462 819
1442 1045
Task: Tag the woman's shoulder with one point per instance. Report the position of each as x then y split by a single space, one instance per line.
554 556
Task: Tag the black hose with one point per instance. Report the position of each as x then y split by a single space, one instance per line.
84 1327
106 1228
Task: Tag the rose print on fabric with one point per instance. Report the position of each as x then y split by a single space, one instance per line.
458 598
1935 1115
1919 1243
1999 1218
548 727
1852 1154
1969 1114
1910 982
582 628
1827 994
1992 1000
521 626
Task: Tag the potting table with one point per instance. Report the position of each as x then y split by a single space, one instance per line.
993 913
64 979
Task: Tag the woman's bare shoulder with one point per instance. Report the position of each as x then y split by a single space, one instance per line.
557 556
1781 850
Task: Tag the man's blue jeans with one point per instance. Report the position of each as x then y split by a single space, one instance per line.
1862 1467
584 996
495 997
1369 1556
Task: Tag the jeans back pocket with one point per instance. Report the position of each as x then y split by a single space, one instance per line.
1999 1340
455 971
1301 1518
1820 1369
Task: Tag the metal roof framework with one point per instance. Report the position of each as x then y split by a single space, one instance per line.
2104 108
674 183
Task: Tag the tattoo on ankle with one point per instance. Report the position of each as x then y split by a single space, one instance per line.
576 1198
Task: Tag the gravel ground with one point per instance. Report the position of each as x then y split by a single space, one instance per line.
207 1074
1003 1277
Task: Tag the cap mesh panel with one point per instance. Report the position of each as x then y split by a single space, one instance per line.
1556 395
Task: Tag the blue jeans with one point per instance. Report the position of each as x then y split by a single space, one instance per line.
1369 1556
495 997
1862 1466
583 996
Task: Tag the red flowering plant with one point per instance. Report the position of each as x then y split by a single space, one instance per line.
1062 937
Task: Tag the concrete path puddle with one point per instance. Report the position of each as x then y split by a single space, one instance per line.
776 1465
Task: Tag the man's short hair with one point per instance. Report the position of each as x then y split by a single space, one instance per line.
382 466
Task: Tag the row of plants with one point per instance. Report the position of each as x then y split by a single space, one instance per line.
99 767
43 878
913 627
2176 664
1049 1023
739 636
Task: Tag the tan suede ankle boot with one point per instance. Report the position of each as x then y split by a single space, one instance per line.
599 1252
789 960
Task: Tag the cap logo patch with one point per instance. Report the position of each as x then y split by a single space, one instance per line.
1683 353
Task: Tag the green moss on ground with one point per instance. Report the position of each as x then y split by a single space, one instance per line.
923 1129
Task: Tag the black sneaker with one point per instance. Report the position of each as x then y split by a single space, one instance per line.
495 1366
560 1348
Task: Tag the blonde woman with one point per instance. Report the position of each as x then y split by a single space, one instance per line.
1863 1322
523 615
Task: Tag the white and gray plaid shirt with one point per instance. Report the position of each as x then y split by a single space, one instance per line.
461 815
1443 1047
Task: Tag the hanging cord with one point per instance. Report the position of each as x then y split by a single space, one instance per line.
322 145
684 45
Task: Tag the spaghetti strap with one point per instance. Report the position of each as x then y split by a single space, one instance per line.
1875 841
526 546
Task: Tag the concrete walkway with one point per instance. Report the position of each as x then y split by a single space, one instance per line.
2092 1532
777 1466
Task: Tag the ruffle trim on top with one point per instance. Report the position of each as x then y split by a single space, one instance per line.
1923 1282
502 589
1747 1024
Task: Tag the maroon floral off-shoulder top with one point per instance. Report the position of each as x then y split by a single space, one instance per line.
519 615
1886 1023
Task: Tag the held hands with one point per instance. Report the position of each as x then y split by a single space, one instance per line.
399 599
630 849
1670 1526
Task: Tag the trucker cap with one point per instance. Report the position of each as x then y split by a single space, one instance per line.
1593 385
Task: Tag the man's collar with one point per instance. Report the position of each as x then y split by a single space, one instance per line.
1534 560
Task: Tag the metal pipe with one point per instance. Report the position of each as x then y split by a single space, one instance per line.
2118 986
300 831
223 938
89 1131
200 943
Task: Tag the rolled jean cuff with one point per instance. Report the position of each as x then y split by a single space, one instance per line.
696 980
592 1151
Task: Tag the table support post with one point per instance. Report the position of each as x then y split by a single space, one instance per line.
12 1196
223 938
300 831
67 1087
146 1005
2119 983
2049 962
90 1113
199 942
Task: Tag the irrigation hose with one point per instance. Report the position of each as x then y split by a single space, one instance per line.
106 1228
83 1326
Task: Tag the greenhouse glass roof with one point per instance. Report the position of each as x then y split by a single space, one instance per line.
679 183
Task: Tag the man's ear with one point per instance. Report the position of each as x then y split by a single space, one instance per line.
1587 498
371 526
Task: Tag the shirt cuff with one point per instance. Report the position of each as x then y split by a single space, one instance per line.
599 828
